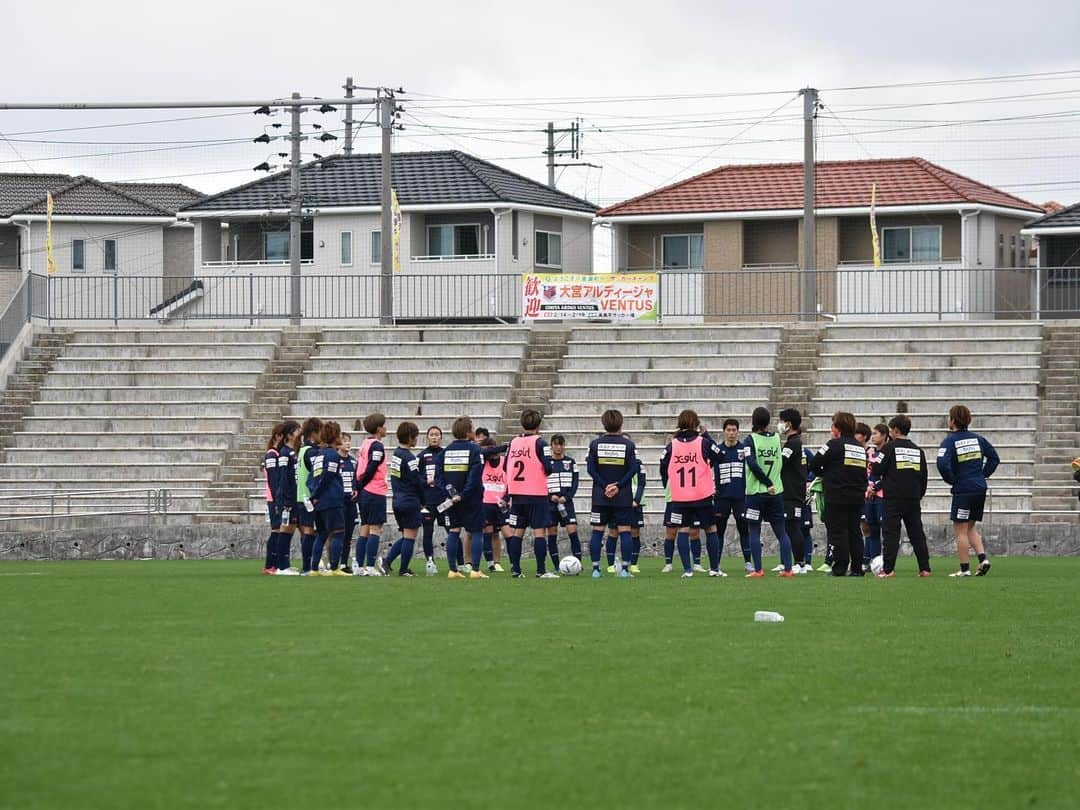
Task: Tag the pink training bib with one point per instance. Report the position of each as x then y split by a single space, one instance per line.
689 472
525 473
377 485
494 484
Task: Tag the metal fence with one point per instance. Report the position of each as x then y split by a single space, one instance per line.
753 293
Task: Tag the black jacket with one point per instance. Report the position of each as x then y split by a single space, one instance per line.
903 470
841 463
793 470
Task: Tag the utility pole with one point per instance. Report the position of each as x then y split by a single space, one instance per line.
349 87
386 279
296 200
809 268
574 131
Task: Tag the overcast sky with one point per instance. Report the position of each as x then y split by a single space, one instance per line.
557 62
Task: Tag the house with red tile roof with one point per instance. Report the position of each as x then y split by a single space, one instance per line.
748 220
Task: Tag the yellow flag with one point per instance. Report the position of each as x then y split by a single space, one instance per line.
49 260
395 216
873 226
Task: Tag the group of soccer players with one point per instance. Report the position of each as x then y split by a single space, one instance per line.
864 482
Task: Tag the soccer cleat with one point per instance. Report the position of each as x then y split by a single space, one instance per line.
748 567
625 574
596 573
406 573
687 575
360 571
269 572
286 572
925 574
376 571
960 574
380 567
755 575
611 569
455 575
887 575
498 569
778 568
309 573
635 569
516 575
478 575
466 568
717 573
547 575
824 568
430 568
984 569
666 569
698 568
786 574
338 572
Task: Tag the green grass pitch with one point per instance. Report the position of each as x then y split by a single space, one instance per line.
204 685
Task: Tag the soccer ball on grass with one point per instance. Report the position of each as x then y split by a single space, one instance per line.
877 565
570 566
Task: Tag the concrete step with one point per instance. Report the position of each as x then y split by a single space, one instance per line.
435 350
863 405
689 376
173 395
404 364
952 345
150 379
632 333
400 393
169 351
624 392
192 408
111 422
155 473
968 377
671 348
663 362
130 440
165 334
934 330
148 367
67 455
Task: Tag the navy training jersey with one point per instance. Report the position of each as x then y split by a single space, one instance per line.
327 489
965 460
459 467
564 477
405 479
285 493
428 458
729 471
612 459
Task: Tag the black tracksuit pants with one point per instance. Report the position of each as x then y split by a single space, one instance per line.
845 537
909 510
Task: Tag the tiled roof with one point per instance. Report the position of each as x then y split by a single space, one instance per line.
419 178
74 196
1065 218
840 184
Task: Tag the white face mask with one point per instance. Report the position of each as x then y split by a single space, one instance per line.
783 427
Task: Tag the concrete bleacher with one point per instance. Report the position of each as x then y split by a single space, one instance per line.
993 368
650 373
135 409
426 375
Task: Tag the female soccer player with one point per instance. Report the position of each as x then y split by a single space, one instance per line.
328 499
562 487
285 496
408 489
496 507
873 508
371 482
527 467
765 491
457 477
965 461
273 512
612 463
432 497
686 470
841 465
348 479
305 517
793 476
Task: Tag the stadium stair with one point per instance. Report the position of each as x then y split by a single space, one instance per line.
23 386
275 388
796 367
134 408
876 370
1059 426
533 383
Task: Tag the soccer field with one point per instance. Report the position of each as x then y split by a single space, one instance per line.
203 684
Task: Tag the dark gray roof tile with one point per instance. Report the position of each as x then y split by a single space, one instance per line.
1065 218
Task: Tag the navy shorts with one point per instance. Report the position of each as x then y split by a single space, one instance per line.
873 511
612 515
273 514
494 516
408 517
529 513
304 518
967 506
690 515
726 507
329 521
764 508
467 516
372 509
557 519
794 510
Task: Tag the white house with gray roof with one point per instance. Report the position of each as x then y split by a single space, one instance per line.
469 230
101 230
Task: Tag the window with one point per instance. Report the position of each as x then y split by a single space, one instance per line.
514 237
376 247
346 248
453 240
549 249
78 254
683 251
917 244
276 246
1012 250
110 255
